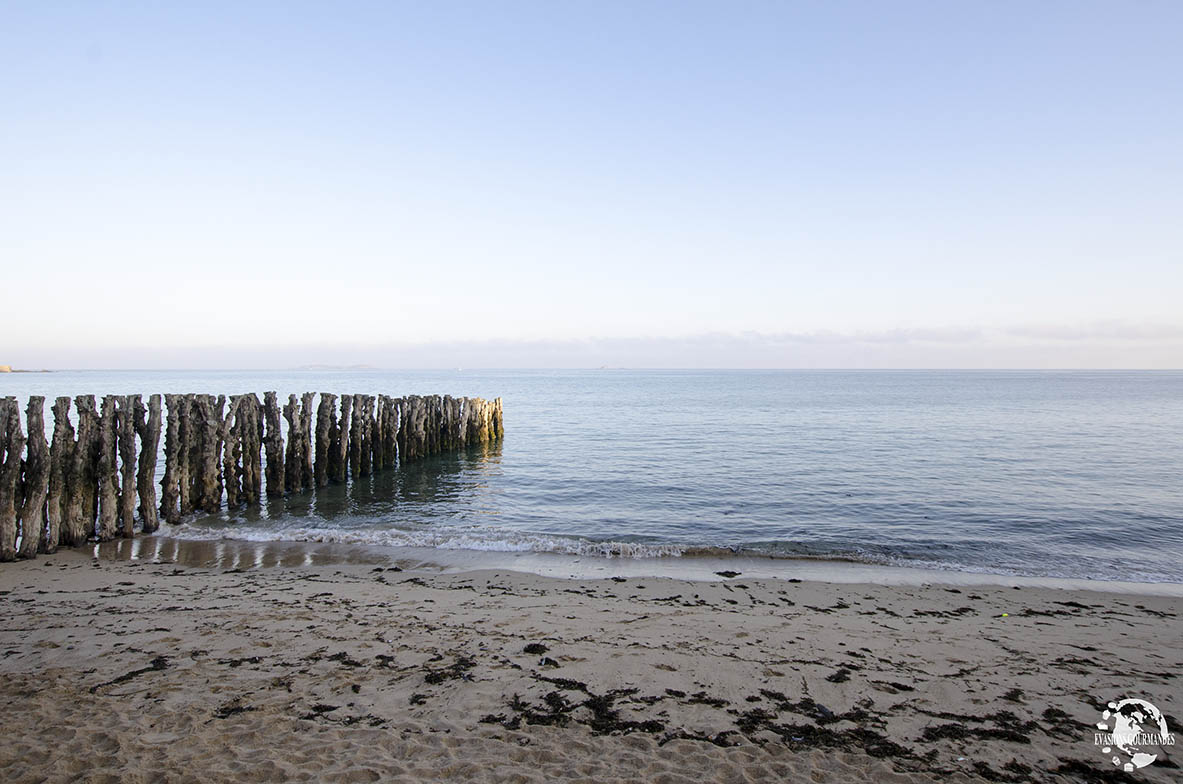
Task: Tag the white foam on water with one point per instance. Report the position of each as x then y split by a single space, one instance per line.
479 538
491 539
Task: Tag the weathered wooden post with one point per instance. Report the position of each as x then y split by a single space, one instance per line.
355 436
390 436
419 430
437 424
273 441
326 425
451 410
339 449
35 483
498 419
60 453
196 432
12 445
186 446
395 423
399 406
379 458
209 420
306 474
82 480
196 420
477 421
429 425
377 462
423 426
126 439
428 445
388 431
372 427
252 440
219 432
291 467
232 451
149 433
488 404
367 434
169 489
439 427
418 426
107 472
406 414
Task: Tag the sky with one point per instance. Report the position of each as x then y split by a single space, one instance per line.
578 184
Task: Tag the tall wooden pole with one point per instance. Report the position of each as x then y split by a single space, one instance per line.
273 441
307 475
291 465
252 440
326 424
185 447
107 472
232 451
355 436
126 435
367 435
83 479
35 481
169 489
339 449
149 432
12 445
60 456
209 482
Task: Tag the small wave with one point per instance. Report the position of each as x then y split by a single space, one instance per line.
483 539
500 540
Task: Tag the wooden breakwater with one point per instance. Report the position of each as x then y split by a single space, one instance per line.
96 481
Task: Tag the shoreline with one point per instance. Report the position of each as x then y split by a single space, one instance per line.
241 553
337 668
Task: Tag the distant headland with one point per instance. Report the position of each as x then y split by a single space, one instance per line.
11 369
336 367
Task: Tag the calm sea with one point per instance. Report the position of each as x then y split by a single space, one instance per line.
1069 474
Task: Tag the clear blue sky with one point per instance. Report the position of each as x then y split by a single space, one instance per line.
702 184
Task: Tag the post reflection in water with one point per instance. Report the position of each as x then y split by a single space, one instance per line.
435 490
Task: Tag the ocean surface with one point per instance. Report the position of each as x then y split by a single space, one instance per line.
1048 474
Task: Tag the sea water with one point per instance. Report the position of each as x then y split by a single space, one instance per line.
1047 474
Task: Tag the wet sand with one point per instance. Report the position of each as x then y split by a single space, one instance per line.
291 662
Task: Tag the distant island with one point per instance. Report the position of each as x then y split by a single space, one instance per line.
336 367
11 369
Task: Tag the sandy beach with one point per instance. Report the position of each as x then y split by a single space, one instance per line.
138 671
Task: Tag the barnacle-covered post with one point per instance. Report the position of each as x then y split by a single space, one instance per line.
82 480
326 425
107 472
61 451
35 483
12 446
273 442
339 448
126 438
232 452
147 424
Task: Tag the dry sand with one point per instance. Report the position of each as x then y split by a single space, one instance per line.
135 671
